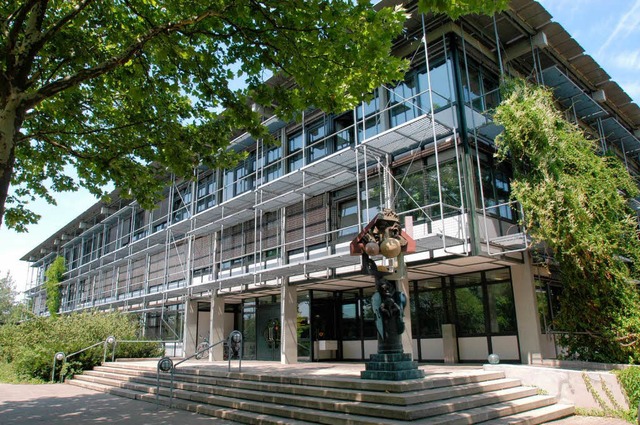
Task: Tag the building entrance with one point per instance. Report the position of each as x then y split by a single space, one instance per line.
268 332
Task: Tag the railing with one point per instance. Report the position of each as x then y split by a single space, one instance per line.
62 357
130 341
166 365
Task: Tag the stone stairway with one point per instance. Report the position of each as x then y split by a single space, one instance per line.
288 398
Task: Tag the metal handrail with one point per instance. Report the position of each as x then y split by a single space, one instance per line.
165 364
62 357
115 343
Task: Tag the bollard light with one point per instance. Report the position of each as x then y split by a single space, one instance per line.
111 339
493 359
165 364
59 356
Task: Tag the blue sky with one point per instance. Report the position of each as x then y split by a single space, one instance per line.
608 30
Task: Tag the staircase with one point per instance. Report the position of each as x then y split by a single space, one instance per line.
288 398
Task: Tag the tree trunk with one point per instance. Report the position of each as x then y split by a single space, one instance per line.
9 125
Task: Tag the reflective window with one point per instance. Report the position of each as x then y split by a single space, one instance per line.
368 119
295 158
206 193
428 309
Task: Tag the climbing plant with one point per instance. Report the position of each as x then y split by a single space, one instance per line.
53 276
576 201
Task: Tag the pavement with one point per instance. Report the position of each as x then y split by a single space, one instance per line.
64 404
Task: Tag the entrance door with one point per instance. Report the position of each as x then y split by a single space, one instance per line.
268 332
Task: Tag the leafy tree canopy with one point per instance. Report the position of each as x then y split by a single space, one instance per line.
127 91
577 203
457 8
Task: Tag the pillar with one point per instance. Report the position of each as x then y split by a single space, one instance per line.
288 323
216 327
524 293
190 327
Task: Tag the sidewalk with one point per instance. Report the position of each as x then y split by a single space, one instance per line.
62 404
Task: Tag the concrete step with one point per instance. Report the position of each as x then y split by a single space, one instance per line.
496 411
215 396
433 381
286 399
536 416
227 386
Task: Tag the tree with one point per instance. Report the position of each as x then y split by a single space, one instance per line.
53 276
128 91
576 202
8 297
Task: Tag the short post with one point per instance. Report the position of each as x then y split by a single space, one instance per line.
234 344
165 364
110 341
58 357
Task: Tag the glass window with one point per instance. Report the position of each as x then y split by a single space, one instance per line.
249 330
403 101
496 189
441 83
295 158
368 316
428 312
350 319
207 188
502 311
304 325
411 191
450 189
470 311
368 118
181 203
317 142
343 126
272 164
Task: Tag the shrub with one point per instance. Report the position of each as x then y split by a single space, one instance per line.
629 378
31 345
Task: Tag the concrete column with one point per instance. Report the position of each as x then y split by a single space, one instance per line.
190 327
524 293
216 328
288 323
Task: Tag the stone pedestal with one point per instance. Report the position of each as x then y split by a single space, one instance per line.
392 367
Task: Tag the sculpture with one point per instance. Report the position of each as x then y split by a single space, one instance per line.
388 307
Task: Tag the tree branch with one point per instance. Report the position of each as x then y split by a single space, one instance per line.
64 83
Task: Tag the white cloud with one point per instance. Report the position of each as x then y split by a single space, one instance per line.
627 24
627 60
632 88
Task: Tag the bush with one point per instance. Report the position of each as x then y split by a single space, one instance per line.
31 345
629 378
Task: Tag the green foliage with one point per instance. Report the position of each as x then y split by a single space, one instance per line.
53 276
125 92
29 347
577 203
629 378
456 8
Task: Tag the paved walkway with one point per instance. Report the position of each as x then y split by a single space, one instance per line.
62 404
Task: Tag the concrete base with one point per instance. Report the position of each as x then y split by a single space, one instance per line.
570 386
391 367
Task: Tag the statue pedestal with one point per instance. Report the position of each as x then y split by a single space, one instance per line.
392 367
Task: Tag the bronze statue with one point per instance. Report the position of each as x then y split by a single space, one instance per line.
388 306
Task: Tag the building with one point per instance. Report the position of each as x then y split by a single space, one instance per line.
264 247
